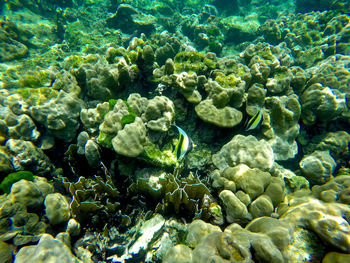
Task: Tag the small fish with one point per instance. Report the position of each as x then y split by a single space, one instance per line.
254 121
184 144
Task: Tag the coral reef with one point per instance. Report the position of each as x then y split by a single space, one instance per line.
174 131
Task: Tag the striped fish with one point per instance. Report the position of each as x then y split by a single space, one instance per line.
254 121
184 144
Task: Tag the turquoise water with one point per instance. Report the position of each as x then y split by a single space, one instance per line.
174 131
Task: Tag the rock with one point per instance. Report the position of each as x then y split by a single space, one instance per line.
159 114
245 150
235 209
178 254
335 257
130 20
261 206
198 229
26 193
92 153
48 249
73 227
56 208
26 156
318 167
60 115
222 117
131 140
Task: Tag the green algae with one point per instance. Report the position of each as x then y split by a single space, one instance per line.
227 81
193 61
162 158
37 96
105 139
130 118
12 178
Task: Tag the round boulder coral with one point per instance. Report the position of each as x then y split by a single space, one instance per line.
57 208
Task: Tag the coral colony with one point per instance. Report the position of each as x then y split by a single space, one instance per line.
174 131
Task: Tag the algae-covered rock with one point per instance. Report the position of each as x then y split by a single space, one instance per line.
178 254
225 90
26 156
131 140
245 150
335 190
261 206
251 181
236 211
247 193
18 126
336 257
129 20
281 125
159 114
197 230
48 249
101 80
320 103
10 48
187 84
26 193
92 153
318 167
255 99
223 117
336 143
326 220
6 252
60 115
56 208
92 118
5 160
73 227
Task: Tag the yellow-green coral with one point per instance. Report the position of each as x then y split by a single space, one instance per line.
35 79
193 62
36 96
165 158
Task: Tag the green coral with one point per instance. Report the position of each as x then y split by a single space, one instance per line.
12 178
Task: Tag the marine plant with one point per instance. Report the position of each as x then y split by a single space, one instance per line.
12 178
130 118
